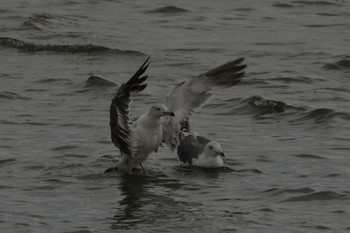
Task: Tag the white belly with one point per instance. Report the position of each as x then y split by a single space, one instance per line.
147 141
204 161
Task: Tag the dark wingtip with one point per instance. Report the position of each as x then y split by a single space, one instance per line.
239 60
229 67
147 59
139 72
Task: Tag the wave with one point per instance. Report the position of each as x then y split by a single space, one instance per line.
55 80
61 148
324 25
37 21
302 3
275 191
12 96
339 65
324 114
3 161
303 194
57 181
90 49
255 105
296 79
316 3
168 10
73 156
259 107
309 156
49 22
263 106
99 81
282 5
244 9
318 196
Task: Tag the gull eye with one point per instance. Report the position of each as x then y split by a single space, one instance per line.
211 147
157 108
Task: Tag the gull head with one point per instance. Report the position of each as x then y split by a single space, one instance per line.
159 110
213 149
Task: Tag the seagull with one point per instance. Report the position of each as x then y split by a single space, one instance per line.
137 140
192 94
200 151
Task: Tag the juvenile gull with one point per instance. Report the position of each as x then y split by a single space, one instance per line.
138 140
200 151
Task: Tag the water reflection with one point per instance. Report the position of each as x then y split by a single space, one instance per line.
149 201
136 196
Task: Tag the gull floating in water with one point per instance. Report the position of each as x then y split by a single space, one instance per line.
138 140
200 151
167 122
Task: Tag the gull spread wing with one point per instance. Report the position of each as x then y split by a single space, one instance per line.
119 111
194 93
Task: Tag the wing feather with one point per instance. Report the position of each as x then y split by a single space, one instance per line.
120 124
194 93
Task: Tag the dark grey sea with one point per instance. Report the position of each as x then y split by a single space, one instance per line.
285 129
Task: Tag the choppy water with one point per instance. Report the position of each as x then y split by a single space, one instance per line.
285 129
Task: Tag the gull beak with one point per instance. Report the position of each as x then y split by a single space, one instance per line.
222 155
169 113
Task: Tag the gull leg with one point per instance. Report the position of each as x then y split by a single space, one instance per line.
143 169
129 169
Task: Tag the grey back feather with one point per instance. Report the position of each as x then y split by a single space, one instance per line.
190 148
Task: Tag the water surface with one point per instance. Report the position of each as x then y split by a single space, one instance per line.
284 129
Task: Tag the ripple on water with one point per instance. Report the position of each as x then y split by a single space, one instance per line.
76 156
90 49
271 210
48 22
343 64
282 5
318 196
5 161
275 192
321 115
316 3
79 231
168 10
12 96
38 21
309 156
55 81
62 148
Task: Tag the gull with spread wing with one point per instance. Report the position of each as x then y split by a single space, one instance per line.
184 99
137 140
192 94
